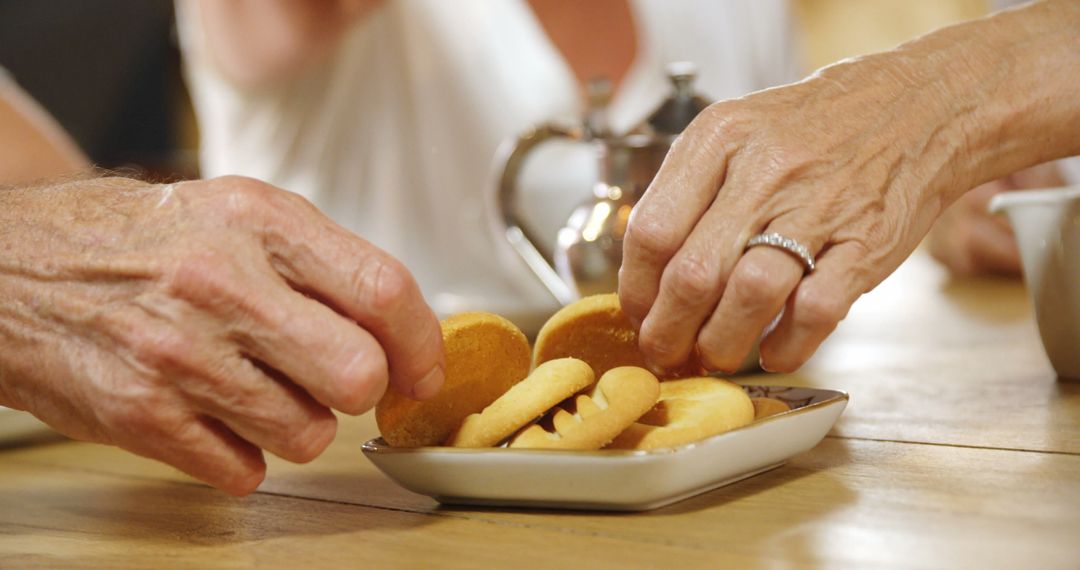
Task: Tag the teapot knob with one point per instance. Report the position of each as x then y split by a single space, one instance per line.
680 108
598 92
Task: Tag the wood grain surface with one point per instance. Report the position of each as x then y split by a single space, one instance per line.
960 448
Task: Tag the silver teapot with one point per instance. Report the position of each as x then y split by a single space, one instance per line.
587 253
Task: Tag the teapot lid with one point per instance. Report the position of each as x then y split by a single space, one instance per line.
676 112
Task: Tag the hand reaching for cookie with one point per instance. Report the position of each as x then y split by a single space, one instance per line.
851 166
201 323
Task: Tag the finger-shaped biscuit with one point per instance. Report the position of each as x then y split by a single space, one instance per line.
551 383
485 355
591 420
765 407
594 329
689 409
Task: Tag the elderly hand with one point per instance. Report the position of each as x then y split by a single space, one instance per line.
202 322
815 162
969 240
855 163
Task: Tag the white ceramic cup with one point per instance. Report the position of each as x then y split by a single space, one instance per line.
1047 227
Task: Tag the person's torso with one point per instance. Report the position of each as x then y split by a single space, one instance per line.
394 136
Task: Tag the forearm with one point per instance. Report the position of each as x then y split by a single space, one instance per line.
967 104
37 259
855 163
33 146
254 42
1023 86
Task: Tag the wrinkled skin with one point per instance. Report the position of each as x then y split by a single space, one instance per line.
201 323
751 166
855 162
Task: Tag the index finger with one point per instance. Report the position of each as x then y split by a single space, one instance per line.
364 283
679 195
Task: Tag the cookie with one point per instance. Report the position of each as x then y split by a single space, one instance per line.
689 410
765 407
551 383
594 329
485 356
591 420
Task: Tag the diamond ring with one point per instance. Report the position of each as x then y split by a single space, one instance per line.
785 243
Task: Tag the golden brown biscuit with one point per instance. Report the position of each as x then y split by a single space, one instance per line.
765 407
485 355
551 383
591 420
595 330
689 409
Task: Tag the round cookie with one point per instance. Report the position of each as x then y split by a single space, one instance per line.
551 383
592 420
689 410
594 329
485 355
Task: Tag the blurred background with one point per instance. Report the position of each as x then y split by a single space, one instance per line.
109 70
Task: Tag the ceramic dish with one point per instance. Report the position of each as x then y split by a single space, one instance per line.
614 479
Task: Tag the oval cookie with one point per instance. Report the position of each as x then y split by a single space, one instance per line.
551 383
591 420
689 409
765 407
485 355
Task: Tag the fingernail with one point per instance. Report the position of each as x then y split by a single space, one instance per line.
429 385
761 363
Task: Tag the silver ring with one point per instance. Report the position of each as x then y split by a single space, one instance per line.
785 243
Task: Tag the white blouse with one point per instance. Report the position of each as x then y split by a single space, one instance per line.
394 136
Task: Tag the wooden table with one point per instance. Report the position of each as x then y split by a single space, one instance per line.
960 449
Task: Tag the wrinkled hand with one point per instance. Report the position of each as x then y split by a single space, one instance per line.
968 240
201 323
852 162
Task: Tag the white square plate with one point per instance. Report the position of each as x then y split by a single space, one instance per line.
614 479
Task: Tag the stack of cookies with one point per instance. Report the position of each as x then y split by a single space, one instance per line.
583 386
